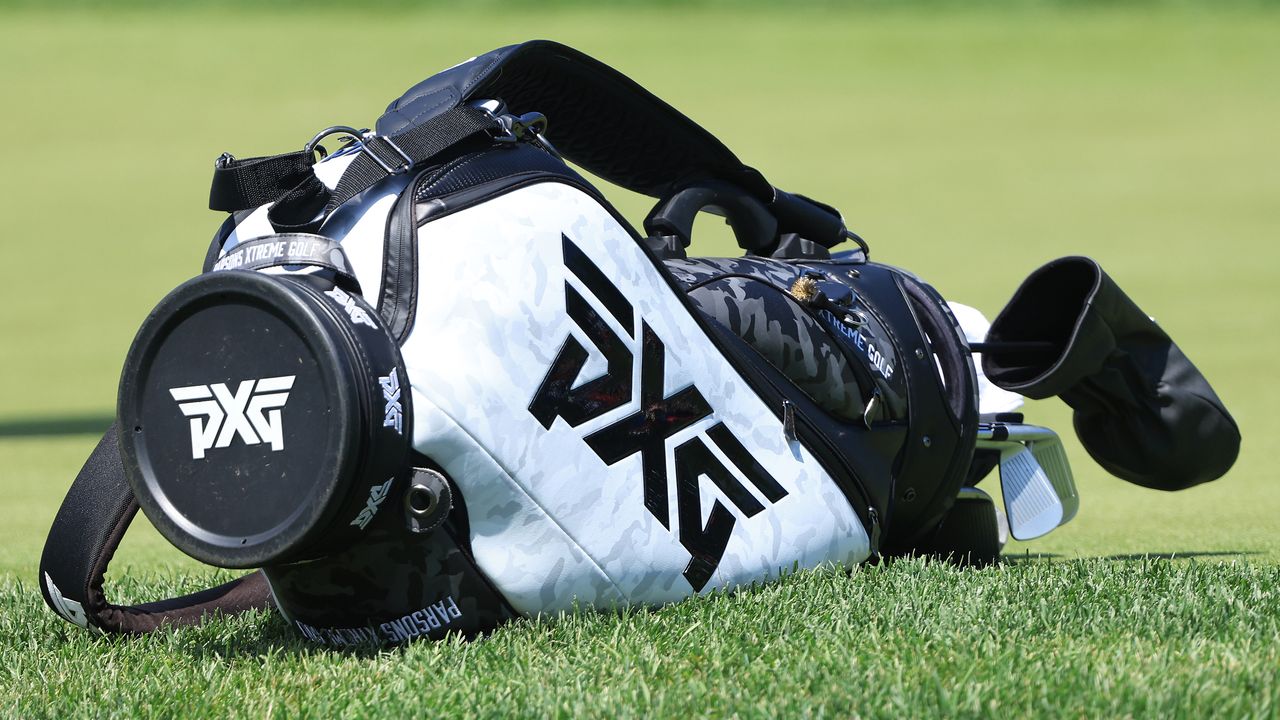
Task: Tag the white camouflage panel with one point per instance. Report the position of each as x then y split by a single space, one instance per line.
551 523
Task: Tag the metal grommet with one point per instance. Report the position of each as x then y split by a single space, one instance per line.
420 502
928 441
427 502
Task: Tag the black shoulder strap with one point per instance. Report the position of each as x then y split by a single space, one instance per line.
599 119
608 124
85 534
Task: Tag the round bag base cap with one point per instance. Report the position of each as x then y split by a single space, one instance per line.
239 418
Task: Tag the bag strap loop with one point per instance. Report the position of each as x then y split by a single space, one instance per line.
291 249
86 532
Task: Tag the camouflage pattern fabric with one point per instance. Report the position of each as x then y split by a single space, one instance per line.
837 351
390 588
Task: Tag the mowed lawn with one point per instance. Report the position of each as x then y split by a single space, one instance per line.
968 146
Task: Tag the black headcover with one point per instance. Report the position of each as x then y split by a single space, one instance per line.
1142 410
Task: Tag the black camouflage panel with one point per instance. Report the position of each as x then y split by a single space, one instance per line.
809 321
789 337
392 587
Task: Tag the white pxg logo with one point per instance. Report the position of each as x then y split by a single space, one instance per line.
218 415
252 412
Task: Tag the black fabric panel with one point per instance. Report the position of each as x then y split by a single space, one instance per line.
932 473
924 474
782 330
860 460
398 299
393 586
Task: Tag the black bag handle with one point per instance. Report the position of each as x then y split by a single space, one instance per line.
85 534
754 226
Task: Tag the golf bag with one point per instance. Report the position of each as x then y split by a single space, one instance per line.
435 381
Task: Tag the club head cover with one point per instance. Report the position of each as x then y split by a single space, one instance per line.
1142 410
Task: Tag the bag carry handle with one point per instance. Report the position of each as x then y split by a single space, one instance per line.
86 532
752 223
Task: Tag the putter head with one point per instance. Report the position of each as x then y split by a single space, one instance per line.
1035 477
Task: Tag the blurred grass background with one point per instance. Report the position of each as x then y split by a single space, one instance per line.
967 144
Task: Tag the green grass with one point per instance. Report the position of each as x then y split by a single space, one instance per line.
969 146
1091 638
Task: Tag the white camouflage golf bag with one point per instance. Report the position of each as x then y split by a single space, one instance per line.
435 381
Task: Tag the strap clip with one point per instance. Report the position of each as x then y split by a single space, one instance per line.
313 146
510 129
371 144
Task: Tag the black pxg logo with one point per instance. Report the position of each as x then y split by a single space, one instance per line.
646 431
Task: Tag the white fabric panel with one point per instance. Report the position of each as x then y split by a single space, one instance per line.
550 521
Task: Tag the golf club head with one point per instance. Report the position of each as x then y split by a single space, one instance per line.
1035 477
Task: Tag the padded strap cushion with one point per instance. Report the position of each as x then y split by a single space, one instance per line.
84 537
600 119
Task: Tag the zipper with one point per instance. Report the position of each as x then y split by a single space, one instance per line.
810 437
868 515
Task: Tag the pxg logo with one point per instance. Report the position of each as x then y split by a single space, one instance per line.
218 415
646 431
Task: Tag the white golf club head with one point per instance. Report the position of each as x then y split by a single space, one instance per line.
1035 478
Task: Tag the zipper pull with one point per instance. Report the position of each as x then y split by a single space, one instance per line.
788 421
874 534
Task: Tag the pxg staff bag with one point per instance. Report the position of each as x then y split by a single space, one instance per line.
434 381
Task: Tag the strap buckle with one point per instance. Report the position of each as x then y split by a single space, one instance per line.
371 144
509 128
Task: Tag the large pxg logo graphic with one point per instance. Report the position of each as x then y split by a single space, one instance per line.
646 431
218 415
